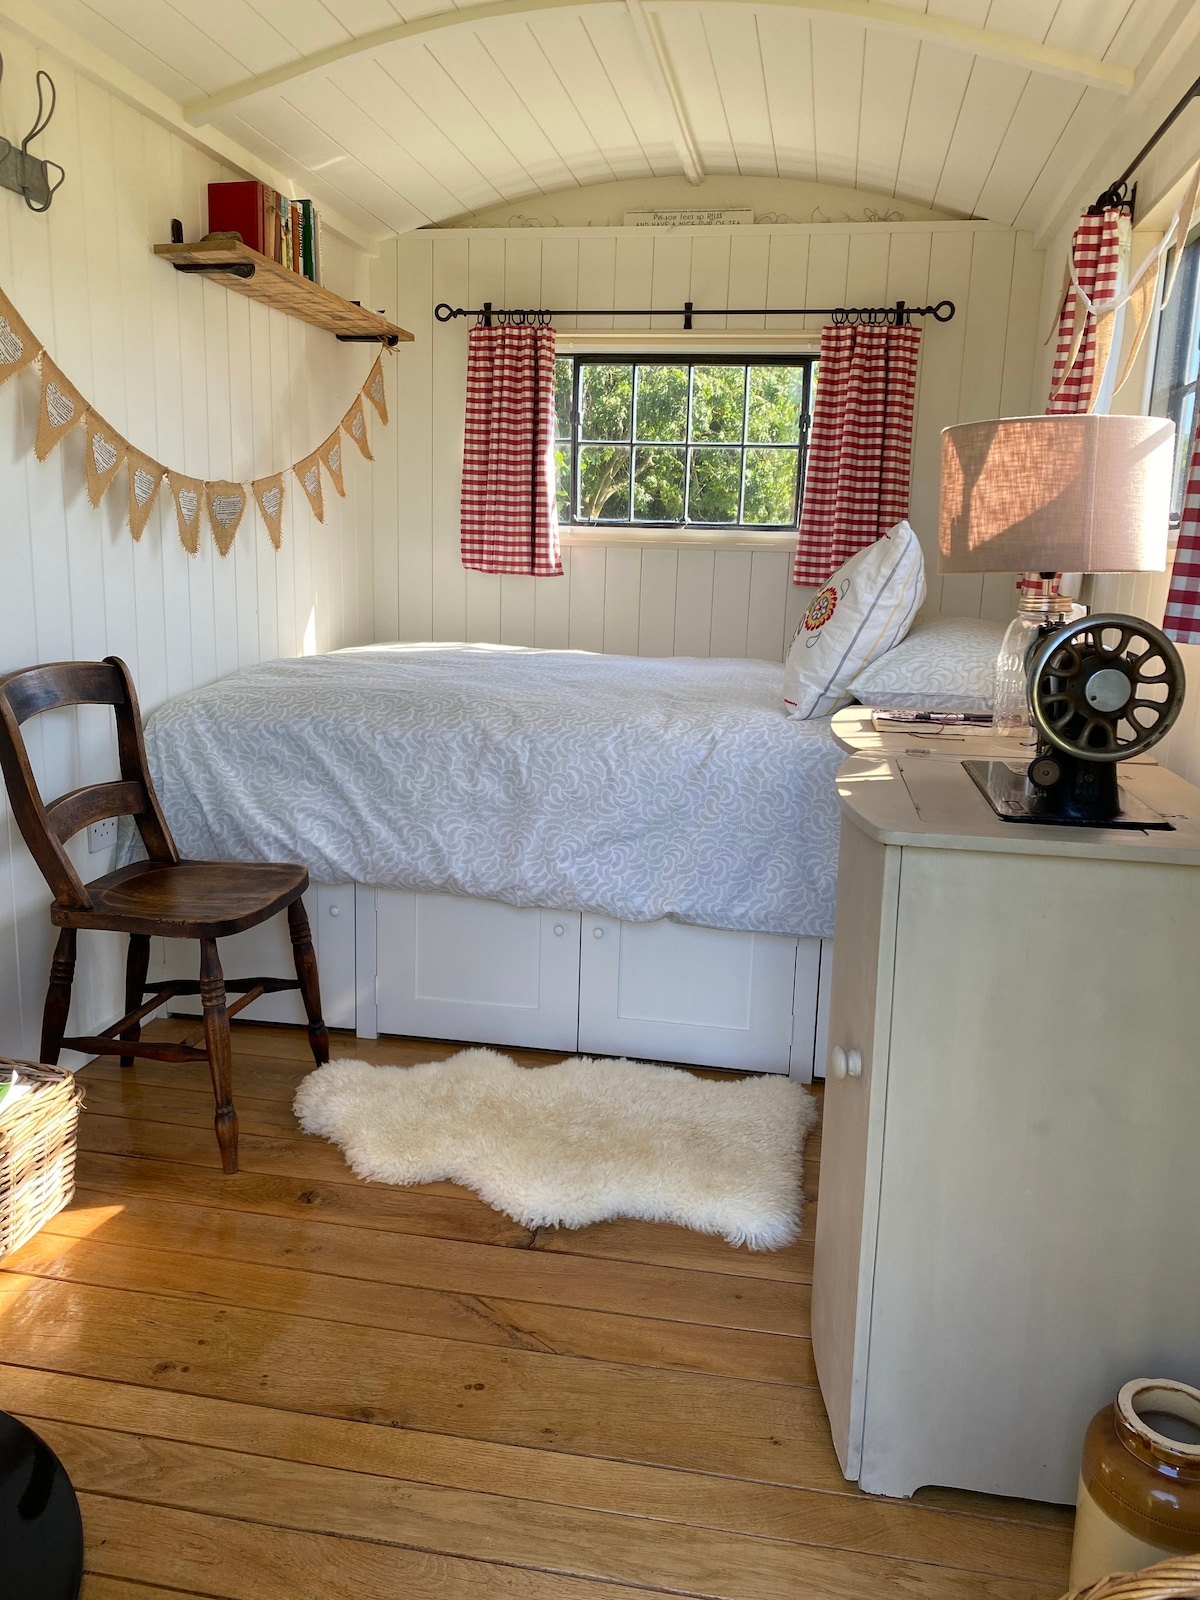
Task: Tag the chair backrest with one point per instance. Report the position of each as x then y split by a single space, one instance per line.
47 825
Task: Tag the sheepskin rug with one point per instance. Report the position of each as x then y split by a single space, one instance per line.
577 1142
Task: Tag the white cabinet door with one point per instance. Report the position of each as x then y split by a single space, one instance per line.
266 951
671 992
456 968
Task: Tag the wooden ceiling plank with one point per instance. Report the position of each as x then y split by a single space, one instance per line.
737 59
938 90
431 86
558 61
984 118
989 42
1036 128
787 70
889 72
838 48
410 126
636 81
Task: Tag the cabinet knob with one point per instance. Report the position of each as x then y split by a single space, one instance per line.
335 911
846 1063
559 930
597 933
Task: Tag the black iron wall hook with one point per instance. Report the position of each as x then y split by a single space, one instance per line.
26 175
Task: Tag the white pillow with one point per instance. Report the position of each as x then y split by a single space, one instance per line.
866 607
945 663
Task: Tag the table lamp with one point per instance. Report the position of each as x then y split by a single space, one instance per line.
1040 496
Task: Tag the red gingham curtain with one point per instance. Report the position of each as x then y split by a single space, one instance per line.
1079 356
860 453
509 509
1095 251
1181 619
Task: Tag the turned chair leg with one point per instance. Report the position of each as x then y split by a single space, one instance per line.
310 987
220 1053
137 965
58 997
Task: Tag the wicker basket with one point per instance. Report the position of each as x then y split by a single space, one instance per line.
1176 1579
37 1150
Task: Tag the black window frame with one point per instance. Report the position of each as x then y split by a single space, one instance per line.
808 362
1178 346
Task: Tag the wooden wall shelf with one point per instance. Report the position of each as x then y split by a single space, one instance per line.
238 267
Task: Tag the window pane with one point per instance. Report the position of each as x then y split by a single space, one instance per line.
564 373
562 474
606 401
776 397
770 487
604 482
658 485
662 403
718 400
713 495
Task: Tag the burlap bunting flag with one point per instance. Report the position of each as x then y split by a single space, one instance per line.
61 406
188 496
268 492
145 480
331 457
308 472
18 347
226 507
355 424
375 391
103 456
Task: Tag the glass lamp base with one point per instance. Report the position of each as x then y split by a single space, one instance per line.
1042 609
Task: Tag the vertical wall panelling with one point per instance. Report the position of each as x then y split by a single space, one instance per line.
661 598
201 379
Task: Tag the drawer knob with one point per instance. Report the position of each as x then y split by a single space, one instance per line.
846 1063
597 933
335 911
559 930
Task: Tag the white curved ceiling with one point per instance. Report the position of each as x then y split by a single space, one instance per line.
985 107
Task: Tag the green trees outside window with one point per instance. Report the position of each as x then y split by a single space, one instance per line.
672 443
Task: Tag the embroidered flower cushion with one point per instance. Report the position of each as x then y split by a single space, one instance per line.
945 664
865 608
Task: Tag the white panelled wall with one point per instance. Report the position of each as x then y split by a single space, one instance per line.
203 380
658 598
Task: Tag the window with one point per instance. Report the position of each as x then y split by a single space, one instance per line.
1177 364
661 442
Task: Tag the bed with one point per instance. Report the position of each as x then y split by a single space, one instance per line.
531 847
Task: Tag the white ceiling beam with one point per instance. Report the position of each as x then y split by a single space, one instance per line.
42 29
1026 53
656 56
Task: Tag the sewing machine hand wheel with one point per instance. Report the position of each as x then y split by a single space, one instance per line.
1105 687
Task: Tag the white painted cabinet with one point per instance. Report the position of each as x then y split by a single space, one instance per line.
678 993
448 967
1007 1231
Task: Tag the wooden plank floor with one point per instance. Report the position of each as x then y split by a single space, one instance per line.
290 1385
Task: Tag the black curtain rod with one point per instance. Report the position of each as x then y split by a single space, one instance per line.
1117 194
869 316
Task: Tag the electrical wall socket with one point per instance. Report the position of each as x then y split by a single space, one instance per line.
102 835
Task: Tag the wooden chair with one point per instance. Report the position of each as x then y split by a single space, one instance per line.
162 897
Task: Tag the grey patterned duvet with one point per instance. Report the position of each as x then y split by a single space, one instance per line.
633 788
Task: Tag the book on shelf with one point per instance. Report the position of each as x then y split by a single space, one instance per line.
284 230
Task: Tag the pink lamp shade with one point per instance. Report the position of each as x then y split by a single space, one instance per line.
1056 494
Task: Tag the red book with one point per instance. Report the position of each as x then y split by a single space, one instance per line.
237 208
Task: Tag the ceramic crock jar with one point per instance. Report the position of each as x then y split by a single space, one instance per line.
1139 1485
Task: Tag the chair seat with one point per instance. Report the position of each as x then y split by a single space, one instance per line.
186 899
